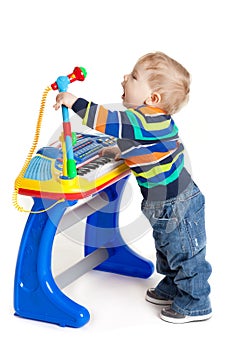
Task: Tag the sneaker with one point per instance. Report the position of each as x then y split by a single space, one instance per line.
154 298
169 315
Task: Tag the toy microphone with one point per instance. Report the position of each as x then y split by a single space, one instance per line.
61 84
79 73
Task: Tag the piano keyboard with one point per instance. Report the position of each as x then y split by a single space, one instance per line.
44 175
97 168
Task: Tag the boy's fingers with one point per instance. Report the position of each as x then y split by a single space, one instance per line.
102 153
56 106
117 157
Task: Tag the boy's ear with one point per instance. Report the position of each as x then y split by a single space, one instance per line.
153 99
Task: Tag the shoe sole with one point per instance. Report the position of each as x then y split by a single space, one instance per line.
186 319
158 301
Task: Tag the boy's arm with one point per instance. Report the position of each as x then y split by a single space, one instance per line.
86 110
129 124
93 115
100 118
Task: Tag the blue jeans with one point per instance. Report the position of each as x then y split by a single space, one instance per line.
180 240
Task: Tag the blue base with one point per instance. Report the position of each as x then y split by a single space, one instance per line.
36 295
102 230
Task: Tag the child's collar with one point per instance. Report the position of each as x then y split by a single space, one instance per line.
145 109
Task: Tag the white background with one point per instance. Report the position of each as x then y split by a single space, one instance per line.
41 40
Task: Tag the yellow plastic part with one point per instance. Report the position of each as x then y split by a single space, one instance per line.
58 185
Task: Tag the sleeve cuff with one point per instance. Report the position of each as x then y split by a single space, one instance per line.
80 106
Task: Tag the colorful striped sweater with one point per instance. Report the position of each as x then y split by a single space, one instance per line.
149 144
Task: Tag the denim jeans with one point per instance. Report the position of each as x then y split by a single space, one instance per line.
180 240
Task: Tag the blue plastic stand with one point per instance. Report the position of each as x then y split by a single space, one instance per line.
36 295
102 230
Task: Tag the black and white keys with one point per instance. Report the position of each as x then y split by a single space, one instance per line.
98 167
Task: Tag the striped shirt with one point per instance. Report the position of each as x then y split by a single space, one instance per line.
149 143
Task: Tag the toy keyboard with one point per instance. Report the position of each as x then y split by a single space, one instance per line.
43 176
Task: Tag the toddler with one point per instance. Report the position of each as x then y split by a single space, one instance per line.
148 142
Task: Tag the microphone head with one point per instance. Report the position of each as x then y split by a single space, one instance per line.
80 74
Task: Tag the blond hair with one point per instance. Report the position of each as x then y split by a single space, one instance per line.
168 78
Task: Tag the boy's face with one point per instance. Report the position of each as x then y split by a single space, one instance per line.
136 87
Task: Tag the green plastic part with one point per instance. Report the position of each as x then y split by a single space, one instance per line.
84 71
71 168
74 138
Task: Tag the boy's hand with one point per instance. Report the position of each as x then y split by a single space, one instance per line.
64 98
113 151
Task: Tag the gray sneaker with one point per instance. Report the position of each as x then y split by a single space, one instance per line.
169 315
154 298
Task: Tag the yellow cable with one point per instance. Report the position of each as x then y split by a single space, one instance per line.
29 157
